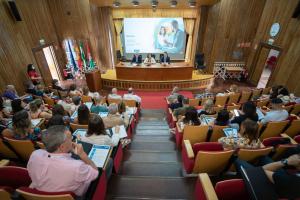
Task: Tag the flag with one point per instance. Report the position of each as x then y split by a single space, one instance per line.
72 60
89 56
82 55
79 61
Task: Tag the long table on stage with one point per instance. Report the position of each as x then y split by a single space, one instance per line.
154 72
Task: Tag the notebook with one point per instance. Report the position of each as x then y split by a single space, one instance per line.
99 154
231 132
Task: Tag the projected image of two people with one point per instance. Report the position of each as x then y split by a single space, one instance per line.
170 36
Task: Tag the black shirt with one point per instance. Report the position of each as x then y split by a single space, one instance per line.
287 185
241 118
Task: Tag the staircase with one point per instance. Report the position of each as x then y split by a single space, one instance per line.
151 166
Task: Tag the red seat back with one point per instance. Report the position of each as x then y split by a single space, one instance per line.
207 146
297 139
231 189
14 177
35 191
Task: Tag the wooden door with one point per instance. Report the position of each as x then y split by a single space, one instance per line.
43 67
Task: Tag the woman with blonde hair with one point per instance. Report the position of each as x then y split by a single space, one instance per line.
208 108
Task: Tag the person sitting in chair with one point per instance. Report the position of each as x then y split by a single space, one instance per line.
164 58
149 60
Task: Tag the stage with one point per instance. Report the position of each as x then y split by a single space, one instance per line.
198 81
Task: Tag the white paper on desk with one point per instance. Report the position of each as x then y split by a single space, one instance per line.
122 132
236 112
208 119
131 110
75 114
99 154
80 132
260 114
103 114
89 104
35 122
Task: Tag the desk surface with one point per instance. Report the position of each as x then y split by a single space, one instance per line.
154 72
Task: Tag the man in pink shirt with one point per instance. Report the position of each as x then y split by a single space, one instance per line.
54 170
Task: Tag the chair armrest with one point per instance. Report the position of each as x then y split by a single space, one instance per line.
189 149
234 104
291 139
293 115
4 162
174 118
207 187
179 128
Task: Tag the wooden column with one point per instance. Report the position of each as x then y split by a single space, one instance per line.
93 80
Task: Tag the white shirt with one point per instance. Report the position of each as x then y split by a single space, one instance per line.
275 116
102 139
149 61
94 94
114 96
132 97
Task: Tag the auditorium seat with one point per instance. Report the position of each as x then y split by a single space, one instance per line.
217 132
231 108
205 157
130 102
288 108
194 134
262 103
40 145
85 99
233 98
5 151
4 193
14 177
4 162
273 129
294 128
116 101
280 146
266 90
194 102
251 155
296 109
218 108
24 148
221 100
33 194
256 93
245 96
49 101
203 100
297 139
74 127
118 157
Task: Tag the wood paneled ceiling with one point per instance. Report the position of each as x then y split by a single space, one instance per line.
147 3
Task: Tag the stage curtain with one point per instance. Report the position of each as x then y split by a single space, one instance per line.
189 28
118 27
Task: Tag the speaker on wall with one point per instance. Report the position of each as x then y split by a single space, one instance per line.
14 10
296 13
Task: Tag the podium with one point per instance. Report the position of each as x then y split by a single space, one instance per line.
93 80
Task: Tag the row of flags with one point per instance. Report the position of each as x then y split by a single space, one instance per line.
77 60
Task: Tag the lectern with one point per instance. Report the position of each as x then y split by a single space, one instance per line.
93 80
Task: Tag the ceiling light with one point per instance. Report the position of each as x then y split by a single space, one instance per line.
116 4
135 3
173 3
192 3
154 3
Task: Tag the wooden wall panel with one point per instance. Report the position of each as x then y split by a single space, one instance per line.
230 22
287 70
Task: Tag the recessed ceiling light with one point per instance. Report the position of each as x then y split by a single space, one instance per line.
116 4
173 3
135 3
192 4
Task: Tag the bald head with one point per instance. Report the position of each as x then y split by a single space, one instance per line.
130 90
114 91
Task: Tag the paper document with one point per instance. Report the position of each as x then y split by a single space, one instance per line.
122 132
75 114
236 112
35 122
103 114
99 154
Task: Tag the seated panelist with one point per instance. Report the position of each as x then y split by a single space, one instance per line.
136 59
164 58
149 60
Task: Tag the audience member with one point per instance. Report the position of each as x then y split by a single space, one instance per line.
10 92
73 91
248 112
86 91
248 137
190 118
177 103
122 112
56 86
97 106
96 133
59 110
277 113
83 115
30 88
174 94
113 118
56 120
222 118
33 75
54 169
131 96
208 108
233 89
36 110
114 94
149 60
17 105
182 110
